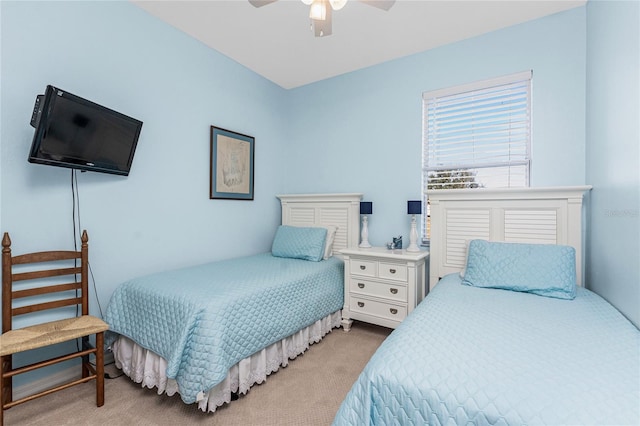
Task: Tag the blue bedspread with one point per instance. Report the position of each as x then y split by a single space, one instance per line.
496 357
205 319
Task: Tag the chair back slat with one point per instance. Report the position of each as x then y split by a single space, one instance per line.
45 256
46 290
46 273
46 305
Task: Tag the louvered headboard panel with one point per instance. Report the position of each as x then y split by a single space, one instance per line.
462 225
530 215
340 210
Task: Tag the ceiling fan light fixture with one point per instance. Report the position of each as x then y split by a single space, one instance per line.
318 10
337 4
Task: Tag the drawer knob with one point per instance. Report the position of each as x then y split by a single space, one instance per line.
393 311
361 304
393 271
393 290
360 285
363 267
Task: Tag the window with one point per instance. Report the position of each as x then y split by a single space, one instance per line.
477 135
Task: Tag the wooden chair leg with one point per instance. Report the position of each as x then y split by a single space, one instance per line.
100 369
6 384
6 365
2 390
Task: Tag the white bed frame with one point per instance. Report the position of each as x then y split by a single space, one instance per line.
531 215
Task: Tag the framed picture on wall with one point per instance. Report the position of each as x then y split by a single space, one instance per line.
232 165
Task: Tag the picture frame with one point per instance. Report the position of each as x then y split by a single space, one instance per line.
232 165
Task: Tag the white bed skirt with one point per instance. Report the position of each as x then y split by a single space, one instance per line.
146 367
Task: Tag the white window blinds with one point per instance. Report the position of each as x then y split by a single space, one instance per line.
478 135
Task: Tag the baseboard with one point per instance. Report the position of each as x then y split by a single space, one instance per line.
53 380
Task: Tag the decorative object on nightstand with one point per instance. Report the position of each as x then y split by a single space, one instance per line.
366 208
396 244
413 208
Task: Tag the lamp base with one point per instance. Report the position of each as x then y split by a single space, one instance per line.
413 236
364 236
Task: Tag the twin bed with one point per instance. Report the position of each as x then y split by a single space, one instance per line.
500 339
505 337
214 330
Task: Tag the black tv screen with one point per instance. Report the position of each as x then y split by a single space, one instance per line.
76 133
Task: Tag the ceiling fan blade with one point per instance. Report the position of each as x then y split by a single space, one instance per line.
322 28
380 4
260 3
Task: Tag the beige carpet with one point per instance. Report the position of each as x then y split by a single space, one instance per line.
306 392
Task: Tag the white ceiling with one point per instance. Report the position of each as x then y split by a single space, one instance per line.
275 40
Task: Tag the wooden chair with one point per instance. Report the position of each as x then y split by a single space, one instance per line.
63 266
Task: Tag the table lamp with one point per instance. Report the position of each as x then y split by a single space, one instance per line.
413 208
366 208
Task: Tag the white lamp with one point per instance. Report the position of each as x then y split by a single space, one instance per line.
337 4
413 208
318 10
366 207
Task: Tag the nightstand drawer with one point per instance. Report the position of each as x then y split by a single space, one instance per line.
366 268
392 271
388 291
379 309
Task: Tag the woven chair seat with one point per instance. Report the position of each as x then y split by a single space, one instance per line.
49 333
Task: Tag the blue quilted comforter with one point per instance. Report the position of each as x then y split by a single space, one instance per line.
205 319
496 357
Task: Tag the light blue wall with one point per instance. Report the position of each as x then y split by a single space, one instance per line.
613 153
363 131
159 217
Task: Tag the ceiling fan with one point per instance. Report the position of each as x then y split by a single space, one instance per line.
320 11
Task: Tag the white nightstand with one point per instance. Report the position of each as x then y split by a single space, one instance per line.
381 286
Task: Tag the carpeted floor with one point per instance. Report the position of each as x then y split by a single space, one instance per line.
306 392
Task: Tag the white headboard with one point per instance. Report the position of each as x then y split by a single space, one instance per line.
340 210
531 215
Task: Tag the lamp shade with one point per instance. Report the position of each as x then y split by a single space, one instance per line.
366 207
337 4
318 10
413 207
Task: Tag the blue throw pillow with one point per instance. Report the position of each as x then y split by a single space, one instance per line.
543 269
299 243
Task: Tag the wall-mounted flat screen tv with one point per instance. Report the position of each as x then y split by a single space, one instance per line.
76 133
